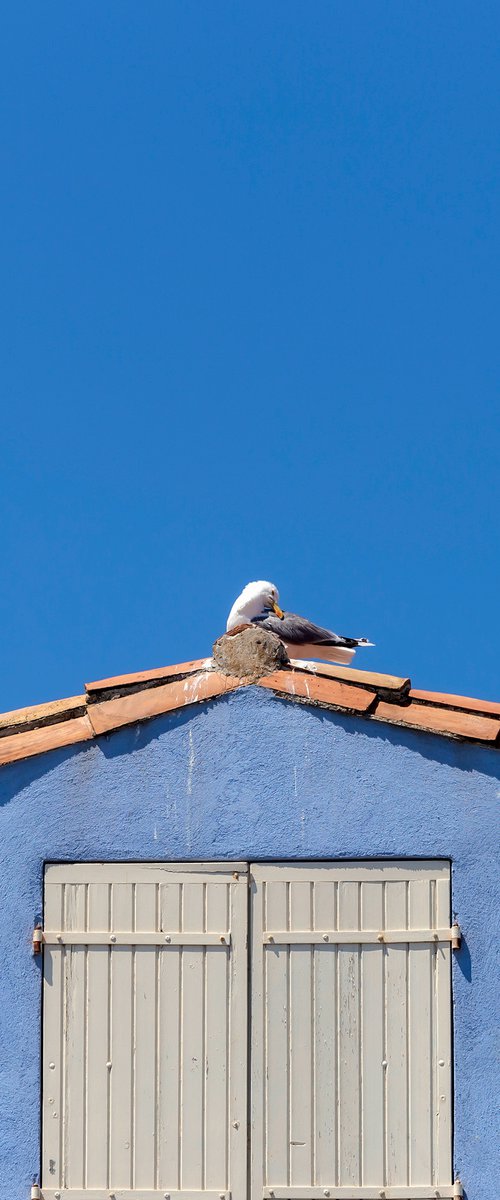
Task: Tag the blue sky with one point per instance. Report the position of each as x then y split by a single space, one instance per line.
249 330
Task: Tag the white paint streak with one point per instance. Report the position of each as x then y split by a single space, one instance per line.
191 762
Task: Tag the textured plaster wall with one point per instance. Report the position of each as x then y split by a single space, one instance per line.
252 777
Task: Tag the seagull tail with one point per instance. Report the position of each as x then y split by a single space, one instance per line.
336 654
311 650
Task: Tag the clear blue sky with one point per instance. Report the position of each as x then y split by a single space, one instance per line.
249 330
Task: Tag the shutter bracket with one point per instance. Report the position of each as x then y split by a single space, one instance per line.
457 1188
35 1190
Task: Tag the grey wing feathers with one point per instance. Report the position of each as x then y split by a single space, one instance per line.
298 630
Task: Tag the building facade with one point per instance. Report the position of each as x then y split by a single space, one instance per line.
248 899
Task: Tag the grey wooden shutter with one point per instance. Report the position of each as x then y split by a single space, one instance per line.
144 1031
351 1031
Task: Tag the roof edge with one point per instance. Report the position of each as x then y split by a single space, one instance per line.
20 720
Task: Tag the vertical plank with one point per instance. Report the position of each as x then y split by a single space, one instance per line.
74 1128
420 1049
97 1041
372 1018
169 1040
258 1023
193 1041
349 1039
238 1040
396 958
442 1089
122 1036
53 1048
301 1040
145 1040
276 1000
325 1007
216 1064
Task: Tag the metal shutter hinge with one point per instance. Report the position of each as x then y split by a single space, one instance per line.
35 1191
37 946
456 938
457 1188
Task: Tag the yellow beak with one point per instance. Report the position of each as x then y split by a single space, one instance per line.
278 611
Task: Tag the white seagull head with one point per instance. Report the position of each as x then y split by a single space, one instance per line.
255 598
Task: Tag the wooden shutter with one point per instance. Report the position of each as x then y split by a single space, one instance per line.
351 1031
144 1032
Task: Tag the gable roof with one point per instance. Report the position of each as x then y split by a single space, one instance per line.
110 704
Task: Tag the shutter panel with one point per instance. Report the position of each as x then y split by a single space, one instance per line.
351 1031
144 1031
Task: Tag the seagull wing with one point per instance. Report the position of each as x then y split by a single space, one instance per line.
298 631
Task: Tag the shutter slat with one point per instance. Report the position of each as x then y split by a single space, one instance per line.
122 1034
372 1017
420 1021
145 1056
215 1066
98 1049
301 1041
53 1048
192 1041
169 1041
325 959
75 966
276 1074
236 1063
442 1093
348 1015
396 1052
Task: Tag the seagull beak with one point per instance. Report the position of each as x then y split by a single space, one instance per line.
278 610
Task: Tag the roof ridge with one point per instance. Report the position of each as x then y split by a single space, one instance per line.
110 704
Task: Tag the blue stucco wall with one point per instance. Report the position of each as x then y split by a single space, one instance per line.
254 777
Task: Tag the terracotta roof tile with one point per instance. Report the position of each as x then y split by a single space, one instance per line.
467 703
440 720
42 714
145 677
48 737
319 691
139 706
369 679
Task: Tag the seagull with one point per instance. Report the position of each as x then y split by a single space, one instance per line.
258 605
